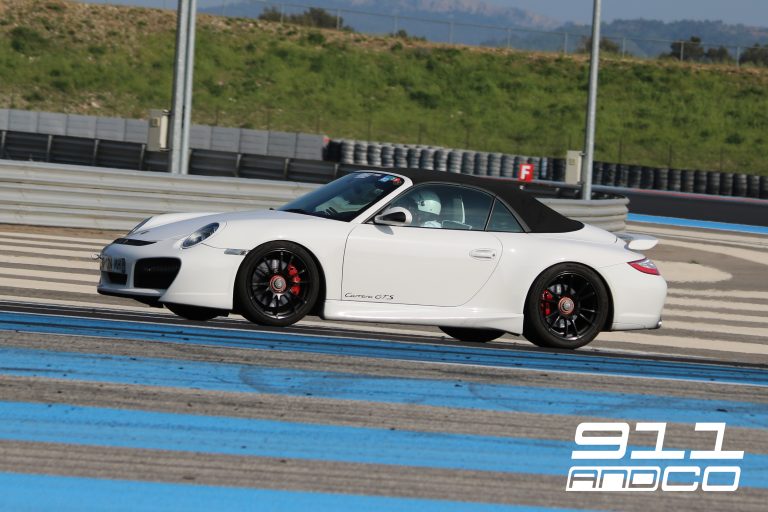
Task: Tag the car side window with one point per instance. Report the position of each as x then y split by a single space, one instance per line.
446 207
503 221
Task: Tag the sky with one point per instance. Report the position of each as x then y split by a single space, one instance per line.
748 12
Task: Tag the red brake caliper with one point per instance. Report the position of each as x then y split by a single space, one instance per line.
546 305
293 274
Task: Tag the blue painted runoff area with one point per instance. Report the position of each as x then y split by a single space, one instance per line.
701 224
78 494
455 393
97 426
504 358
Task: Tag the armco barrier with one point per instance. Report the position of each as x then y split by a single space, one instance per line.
74 196
57 195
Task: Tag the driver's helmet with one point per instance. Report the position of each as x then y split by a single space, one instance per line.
427 202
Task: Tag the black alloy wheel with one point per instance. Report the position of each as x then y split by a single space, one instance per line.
567 307
472 335
277 284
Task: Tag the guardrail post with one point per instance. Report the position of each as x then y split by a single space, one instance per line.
95 152
48 148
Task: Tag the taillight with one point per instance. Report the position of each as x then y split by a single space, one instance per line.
645 266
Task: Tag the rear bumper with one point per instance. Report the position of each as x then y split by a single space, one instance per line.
638 298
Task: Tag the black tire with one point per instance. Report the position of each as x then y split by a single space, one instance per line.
196 313
567 307
472 335
277 284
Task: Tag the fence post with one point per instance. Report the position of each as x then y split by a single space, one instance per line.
450 33
338 19
394 19
565 43
282 14
623 47
738 56
682 51
509 38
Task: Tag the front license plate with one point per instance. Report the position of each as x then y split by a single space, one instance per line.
114 265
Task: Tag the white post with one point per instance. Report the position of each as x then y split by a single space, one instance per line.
188 72
178 85
589 143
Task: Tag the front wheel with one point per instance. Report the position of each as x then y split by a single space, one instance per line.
567 307
277 284
472 335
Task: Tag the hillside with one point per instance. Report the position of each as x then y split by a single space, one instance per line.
117 61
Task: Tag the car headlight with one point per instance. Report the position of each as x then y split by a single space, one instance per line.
200 235
138 226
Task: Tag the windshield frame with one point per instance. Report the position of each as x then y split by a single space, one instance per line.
363 213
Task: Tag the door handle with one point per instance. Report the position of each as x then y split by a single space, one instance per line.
483 254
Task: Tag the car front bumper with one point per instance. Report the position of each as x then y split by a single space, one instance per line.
205 275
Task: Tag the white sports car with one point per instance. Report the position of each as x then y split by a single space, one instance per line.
477 257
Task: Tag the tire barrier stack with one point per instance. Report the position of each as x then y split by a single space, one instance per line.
478 163
481 163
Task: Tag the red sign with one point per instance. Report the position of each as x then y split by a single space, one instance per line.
526 172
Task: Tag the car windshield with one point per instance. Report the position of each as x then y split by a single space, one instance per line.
347 197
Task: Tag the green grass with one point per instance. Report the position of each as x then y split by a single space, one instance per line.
117 61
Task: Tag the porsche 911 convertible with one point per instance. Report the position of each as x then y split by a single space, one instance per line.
477 257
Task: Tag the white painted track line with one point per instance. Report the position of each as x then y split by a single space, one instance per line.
34 284
67 253
92 279
716 304
64 238
694 344
35 245
40 261
737 294
699 314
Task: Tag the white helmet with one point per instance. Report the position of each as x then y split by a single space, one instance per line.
427 202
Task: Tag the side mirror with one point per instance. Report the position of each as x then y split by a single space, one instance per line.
397 216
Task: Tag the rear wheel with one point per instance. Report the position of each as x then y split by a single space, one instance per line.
196 313
278 284
472 335
567 307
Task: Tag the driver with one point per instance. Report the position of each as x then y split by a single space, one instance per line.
427 209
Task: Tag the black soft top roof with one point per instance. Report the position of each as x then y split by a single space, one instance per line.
539 217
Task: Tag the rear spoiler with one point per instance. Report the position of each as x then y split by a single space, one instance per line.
638 242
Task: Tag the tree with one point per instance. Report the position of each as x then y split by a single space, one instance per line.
719 55
755 55
690 50
271 14
606 46
312 17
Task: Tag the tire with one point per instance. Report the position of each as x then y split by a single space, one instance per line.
196 313
566 307
472 335
277 284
